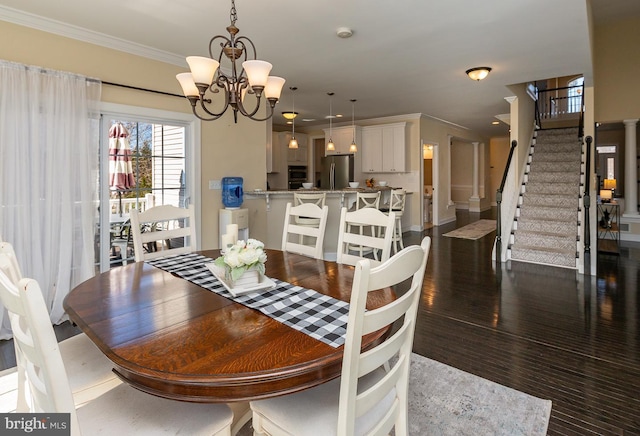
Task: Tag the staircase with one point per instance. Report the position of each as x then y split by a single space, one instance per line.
546 227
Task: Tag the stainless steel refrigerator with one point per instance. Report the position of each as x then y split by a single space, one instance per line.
337 171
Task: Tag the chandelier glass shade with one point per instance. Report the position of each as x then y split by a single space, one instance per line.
252 77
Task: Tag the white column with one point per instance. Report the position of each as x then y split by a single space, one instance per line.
450 202
630 169
476 171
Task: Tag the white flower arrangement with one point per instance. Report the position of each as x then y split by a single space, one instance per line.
241 257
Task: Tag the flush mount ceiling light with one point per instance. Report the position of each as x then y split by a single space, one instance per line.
253 77
289 115
478 73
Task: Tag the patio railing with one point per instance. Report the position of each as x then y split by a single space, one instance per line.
127 204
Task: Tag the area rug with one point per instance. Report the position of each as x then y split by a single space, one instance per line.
446 401
475 230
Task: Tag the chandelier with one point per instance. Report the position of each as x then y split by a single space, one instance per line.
252 78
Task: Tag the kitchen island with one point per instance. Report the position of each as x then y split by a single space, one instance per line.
276 204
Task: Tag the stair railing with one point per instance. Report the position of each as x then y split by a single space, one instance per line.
563 103
586 199
581 123
514 143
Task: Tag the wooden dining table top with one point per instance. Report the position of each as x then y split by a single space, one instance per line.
172 338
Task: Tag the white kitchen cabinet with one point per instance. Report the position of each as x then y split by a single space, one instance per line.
384 148
273 153
342 138
371 149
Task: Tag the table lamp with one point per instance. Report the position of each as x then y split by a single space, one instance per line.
611 185
605 195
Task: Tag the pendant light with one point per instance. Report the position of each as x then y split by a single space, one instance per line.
293 143
353 148
330 145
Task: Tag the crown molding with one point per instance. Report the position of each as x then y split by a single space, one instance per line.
78 33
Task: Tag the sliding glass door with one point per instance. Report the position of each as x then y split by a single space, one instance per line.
143 163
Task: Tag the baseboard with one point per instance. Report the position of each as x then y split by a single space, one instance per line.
446 221
629 237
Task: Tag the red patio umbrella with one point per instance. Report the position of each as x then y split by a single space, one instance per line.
120 167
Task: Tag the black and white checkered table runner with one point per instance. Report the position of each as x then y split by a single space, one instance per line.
320 316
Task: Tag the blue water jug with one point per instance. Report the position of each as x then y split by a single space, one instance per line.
232 192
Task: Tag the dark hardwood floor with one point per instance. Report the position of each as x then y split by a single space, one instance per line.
549 332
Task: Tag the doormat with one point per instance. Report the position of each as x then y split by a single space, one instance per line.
475 230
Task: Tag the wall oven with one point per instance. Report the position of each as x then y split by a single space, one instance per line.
297 176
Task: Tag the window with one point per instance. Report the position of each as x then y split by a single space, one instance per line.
574 94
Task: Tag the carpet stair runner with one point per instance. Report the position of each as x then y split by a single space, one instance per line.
546 226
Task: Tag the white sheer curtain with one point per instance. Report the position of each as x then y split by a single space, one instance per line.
49 136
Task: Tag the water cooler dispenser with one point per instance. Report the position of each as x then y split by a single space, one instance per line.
232 192
232 196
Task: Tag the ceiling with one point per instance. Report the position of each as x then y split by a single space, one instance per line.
405 56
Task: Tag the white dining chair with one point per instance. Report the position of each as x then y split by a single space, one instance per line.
375 239
163 231
367 399
89 370
304 239
121 410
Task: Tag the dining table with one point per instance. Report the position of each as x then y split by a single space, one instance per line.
173 338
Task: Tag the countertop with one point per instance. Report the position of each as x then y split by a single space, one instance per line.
328 191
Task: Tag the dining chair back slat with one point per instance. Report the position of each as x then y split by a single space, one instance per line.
163 231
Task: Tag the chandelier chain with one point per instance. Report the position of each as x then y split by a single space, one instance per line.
233 15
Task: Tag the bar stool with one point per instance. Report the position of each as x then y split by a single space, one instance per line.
367 199
317 198
396 205
364 200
